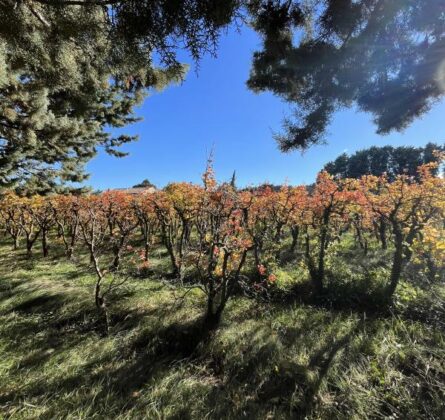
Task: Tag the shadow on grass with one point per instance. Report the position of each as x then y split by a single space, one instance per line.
296 386
146 347
371 300
42 303
7 288
130 367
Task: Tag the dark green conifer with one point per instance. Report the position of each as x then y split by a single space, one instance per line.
385 57
70 70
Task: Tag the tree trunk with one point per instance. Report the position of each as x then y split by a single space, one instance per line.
70 251
117 253
317 281
99 299
28 249
146 235
171 252
101 304
382 233
358 236
213 315
29 245
257 251
110 228
397 262
44 243
295 231
278 233
212 320
432 269
407 250
375 229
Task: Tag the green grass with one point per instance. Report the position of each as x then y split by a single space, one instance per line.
265 361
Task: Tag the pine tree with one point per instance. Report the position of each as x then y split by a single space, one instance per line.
72 69
385 57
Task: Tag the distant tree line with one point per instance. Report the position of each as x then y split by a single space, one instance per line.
389 160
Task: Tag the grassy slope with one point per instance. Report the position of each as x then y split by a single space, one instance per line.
265 361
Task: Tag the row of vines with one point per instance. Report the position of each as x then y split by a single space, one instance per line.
224 240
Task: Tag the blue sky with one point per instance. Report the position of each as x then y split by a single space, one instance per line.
214 109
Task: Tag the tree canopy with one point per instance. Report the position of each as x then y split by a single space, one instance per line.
144 184
385 57
377 161
72 69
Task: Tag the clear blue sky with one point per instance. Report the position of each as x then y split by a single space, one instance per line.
215 109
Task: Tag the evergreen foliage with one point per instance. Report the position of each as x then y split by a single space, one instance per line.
144 184
385 57
70 70
388 160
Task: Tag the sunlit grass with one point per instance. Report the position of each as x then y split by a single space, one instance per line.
266 360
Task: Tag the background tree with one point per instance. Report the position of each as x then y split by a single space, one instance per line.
388 160
223 242
28 224
385 57
144 184
43 214
93 227
408 206
11 214
148 222
176 208
329 200
66 215
126 222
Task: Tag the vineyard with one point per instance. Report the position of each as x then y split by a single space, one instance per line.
369 247
128 293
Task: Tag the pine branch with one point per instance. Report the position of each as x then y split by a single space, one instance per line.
79 2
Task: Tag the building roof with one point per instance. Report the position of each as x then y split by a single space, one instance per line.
136 191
